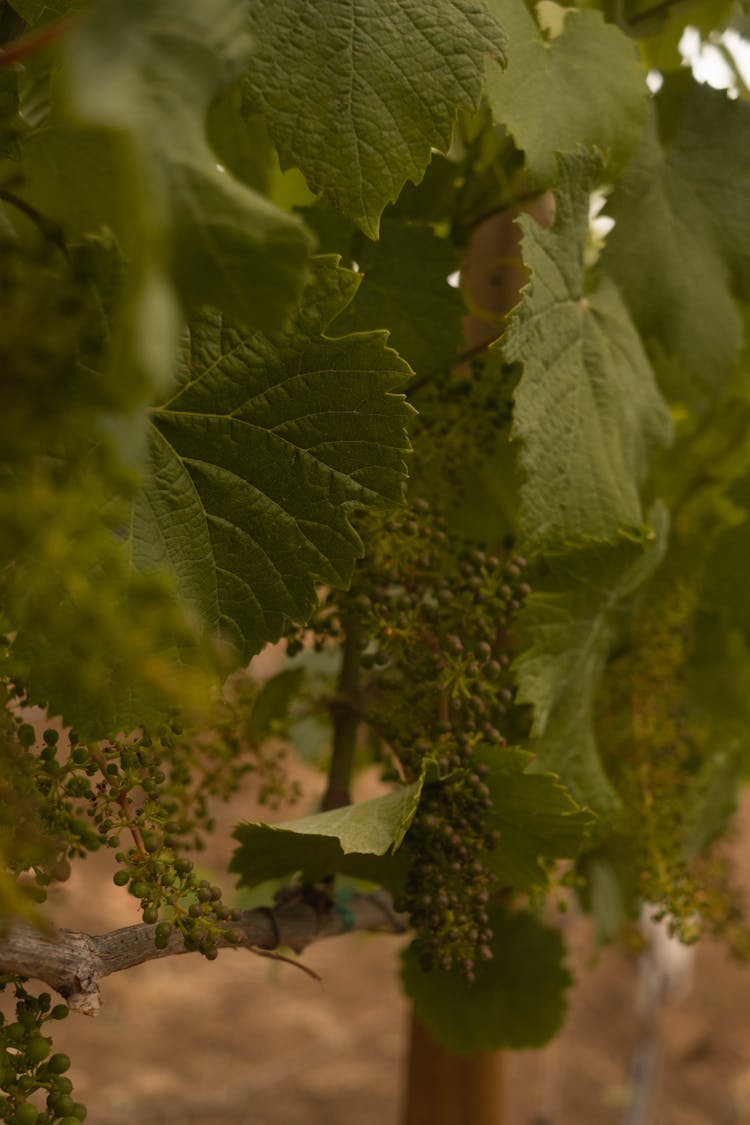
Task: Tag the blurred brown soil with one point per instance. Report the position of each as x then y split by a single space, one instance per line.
243 1041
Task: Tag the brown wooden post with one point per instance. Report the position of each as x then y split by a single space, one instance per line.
443 1088
447 1089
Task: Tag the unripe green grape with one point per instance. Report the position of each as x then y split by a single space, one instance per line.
26 1114
26 735
38 1048
58 1064
61 1104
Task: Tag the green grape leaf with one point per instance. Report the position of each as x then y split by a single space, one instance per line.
405 289
34 11
271 705
570 627
611 894
517 1001
357 93
659 29
535 816
680 246
151 70
260 454
340 840
241 145
578 85
588 412
726 592
10 90
712 801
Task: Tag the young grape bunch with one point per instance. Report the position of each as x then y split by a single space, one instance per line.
433 616
28 1066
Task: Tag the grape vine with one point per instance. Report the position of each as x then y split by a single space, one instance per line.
348 369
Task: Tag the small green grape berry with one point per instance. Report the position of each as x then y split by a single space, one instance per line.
61 1104
150 915
38 1048
59 1012
162 935
26 1114
27 737
58 1064
120 878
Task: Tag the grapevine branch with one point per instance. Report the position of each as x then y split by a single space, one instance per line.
74 963
345 709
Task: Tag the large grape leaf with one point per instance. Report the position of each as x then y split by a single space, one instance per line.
357 92
259 456
358 839
33 11
535 816
406 289
578 85
151 69
588 412
659 29
518 998
680 247
570 628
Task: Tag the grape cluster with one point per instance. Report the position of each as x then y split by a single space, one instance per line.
154 788
28 1066
448 886
660 760
434 614
464 418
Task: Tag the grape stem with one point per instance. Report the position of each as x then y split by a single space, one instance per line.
49 229
123 802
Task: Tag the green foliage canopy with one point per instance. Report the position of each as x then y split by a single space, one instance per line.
229 236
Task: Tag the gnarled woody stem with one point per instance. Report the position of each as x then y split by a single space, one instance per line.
73 964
